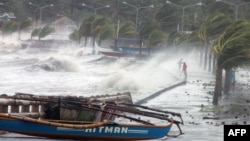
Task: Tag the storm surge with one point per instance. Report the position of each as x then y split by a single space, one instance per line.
56 64
138 76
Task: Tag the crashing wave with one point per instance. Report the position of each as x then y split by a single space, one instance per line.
57 64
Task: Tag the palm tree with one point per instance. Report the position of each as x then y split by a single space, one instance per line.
232 50
97 24
42 32
179 40
23 25
35 33
46 30
91 27
9 27
86 28
148 28
75 36
212 27
156 37
107 31
127 29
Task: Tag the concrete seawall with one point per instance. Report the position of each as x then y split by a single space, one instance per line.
144 100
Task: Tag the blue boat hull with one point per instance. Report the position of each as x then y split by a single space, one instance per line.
109 131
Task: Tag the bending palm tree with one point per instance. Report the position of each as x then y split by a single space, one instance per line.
213 26
155 38
232 50
46 30
23 25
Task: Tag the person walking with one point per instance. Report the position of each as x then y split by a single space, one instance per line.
184 70
179 64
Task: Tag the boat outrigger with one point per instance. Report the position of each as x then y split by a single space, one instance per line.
110 125
54 108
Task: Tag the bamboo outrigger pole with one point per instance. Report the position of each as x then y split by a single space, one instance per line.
127 109
119 115
143 107
93 106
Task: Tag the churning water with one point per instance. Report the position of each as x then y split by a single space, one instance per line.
75 71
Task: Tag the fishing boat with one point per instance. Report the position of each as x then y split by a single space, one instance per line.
53 107
121 52
105 130
118 128
111 52
130 47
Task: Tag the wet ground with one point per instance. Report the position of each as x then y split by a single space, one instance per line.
202 120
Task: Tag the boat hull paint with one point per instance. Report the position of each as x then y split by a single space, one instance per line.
111 131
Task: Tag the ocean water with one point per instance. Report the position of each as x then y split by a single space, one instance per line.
75 71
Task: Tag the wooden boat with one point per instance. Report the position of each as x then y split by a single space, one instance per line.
112 52
53 107
121 52
103 129
130 51
106 130
129 47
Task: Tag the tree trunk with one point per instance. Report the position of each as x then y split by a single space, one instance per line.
79 40
149 51
86 39
227 82
210 62
141 42
218 84
209 57
19 35
214 64
93 43
201 54
206 56
93 50
116 44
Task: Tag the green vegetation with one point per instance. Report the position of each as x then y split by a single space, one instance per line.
218 29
